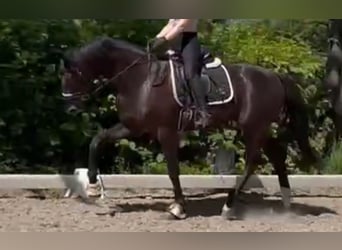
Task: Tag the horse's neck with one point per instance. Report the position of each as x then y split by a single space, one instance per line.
129 71
132 88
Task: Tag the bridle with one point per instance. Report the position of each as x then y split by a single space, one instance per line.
99 83
334 40
102 83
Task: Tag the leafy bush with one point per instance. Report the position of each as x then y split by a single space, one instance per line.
35 131
262 44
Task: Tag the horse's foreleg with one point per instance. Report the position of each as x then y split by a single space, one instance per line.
117 132
169 140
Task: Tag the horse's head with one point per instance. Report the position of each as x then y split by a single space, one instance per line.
334 56
333 66
100 64
76 86
85 71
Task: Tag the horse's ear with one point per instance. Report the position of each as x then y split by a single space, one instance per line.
65 58
68 61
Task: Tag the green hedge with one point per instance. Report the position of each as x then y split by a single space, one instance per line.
36 133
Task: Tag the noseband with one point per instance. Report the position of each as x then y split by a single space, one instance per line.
332 41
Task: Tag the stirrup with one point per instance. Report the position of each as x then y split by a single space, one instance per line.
201 118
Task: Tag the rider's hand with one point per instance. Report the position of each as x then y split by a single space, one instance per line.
157 42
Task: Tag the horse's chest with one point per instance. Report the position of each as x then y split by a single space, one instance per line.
126 104
130 112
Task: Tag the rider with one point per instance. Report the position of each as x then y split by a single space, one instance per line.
191 54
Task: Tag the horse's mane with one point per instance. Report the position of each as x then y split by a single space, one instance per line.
101 47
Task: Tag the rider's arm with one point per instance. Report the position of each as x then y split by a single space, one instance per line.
177 29
165 30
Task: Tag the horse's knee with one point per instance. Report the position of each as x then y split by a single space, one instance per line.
173 172
97 140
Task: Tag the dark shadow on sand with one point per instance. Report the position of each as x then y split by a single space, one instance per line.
251 204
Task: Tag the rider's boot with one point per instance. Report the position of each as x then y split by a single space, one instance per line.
199 95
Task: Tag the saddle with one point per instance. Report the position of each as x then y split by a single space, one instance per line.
214 75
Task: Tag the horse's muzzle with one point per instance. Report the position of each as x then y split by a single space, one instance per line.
336 54
332 79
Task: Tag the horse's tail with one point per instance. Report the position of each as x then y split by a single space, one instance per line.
296 111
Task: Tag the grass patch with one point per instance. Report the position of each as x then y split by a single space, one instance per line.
333 163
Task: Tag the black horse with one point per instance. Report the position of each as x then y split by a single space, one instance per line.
153 100
333 67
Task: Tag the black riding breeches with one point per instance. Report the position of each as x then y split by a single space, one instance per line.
191 53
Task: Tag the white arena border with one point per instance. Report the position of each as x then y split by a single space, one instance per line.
14 181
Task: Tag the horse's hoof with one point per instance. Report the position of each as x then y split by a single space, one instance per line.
287 207
93 190
177 211
232 216
229 213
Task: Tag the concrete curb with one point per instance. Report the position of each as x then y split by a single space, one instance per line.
321 185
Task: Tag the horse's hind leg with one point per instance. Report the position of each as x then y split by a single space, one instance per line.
254 142
117 132
276 153
169 140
